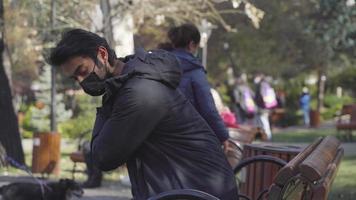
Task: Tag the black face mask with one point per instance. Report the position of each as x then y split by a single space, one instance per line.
93 85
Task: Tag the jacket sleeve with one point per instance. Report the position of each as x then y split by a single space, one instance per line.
134 116
206 105
101 117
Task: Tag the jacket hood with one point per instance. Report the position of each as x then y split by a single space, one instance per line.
187 61
158 65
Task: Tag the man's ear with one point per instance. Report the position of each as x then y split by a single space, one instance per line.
102 55
193 47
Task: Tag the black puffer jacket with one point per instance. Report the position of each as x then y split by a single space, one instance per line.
148 124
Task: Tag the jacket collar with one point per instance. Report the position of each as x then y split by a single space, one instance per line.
112 85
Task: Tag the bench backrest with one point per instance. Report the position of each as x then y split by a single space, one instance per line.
349 110
313 169
353 115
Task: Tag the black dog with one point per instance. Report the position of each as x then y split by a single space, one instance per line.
61 190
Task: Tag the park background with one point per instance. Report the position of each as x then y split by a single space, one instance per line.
298 43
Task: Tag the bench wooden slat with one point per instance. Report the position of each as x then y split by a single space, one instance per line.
322 190
274 192
350 126
316 164
291 168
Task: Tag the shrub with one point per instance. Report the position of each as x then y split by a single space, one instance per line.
83 119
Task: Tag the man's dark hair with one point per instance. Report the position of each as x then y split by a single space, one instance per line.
79 42
181 36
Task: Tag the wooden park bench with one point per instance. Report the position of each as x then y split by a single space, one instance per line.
277 116
346 121
308 176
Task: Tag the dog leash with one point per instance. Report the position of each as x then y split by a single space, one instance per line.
24 168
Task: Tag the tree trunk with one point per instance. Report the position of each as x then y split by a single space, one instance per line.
107 21
9 129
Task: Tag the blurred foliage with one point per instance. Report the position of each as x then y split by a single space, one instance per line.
345 79
83 120
38 115
193 11
21 45
277 48
288 41
333 24
28 33
333 105
84 110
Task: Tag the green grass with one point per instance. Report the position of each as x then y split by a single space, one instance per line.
344 186
302 135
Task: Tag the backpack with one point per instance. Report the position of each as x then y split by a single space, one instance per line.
268 95
247 102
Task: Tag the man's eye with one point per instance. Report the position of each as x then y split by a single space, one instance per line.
81 72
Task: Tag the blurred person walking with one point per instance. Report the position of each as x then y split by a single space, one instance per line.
265 100
244 100
304 102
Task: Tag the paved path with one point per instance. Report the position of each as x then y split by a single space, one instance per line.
109 191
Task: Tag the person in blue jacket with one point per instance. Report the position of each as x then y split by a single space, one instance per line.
145 121
194 84
304 102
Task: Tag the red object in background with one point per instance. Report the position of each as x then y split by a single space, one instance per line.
229 119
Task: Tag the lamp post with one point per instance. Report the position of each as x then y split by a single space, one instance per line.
231 73
53 77
227 50
205 28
